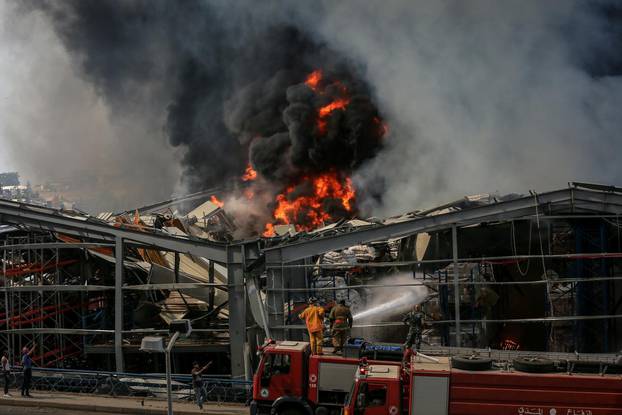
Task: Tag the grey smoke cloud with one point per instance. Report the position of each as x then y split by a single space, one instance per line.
55 126
487 96
480 96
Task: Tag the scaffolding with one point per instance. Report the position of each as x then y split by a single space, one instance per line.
41 298
61 297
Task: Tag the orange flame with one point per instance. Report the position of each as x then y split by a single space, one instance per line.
326 110
335 105
321 125
249 173
314 79
313 82
217 202
268 231
307 212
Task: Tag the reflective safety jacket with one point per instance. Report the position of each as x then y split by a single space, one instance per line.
314 318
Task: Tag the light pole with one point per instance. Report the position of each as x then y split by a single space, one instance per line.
167 356
156 345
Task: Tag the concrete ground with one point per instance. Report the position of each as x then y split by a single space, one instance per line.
74 404
22 410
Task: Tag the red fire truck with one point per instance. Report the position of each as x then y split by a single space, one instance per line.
425 387
290 381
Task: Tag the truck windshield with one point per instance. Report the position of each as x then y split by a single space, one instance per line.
277 364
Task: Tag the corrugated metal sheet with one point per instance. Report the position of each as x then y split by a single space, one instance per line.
203 211
8 229
105 216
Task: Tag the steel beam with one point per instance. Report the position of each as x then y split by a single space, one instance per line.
118 304
44 330
454 244
58 245
175 286
204 194
53 221
570 198
531 320
58 288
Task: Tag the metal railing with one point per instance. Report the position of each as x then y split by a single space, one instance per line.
217 389
509 355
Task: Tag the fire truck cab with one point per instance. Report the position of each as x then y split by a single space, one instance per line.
290 381
376 391
435 388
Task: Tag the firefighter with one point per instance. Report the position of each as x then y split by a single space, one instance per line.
313 316
340 321
414 319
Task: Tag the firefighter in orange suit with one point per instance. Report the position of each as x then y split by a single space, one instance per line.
341 321
313 316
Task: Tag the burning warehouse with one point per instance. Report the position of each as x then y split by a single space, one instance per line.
535 272
300 154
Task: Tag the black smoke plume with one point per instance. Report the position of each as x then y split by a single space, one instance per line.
480 96
229 99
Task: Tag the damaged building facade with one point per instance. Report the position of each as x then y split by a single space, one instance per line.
538 272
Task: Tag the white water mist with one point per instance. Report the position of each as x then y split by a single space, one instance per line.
388 302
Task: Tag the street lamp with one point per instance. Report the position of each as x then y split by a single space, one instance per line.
155 344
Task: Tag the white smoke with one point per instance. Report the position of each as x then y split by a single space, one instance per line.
55 127
484 95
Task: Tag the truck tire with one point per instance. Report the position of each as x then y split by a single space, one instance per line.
614 369
321 410
533 364
585 366
290 410
473 363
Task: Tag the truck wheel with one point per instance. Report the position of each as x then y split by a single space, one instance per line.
585 366
289 410
473 362
614 369
321 410
533 364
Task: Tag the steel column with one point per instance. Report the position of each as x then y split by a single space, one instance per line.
454 244
275 298
118 304
237 308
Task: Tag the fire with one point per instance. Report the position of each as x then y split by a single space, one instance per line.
314 79
335 105
326 110
217 202
340 103
321 126
249 174
307 212
315 198
268 231
510 344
